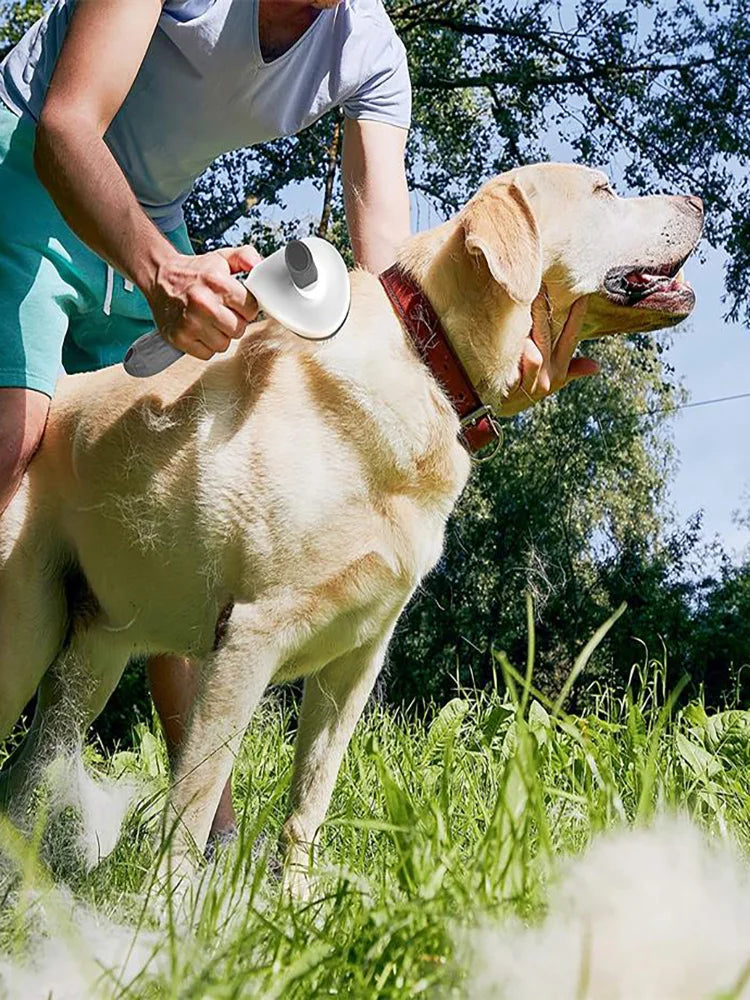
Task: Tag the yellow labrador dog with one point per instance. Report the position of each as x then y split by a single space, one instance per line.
295 492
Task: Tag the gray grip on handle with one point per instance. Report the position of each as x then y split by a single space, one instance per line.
300 264
149 355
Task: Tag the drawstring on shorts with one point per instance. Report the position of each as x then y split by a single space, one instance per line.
109 290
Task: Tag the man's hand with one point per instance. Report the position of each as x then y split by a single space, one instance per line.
198 306
544 369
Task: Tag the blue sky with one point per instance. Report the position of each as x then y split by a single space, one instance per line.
713 359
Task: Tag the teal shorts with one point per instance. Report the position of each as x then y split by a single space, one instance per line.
61 306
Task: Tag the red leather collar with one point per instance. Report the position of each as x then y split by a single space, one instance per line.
479 429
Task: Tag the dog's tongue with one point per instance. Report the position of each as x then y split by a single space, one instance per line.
641 279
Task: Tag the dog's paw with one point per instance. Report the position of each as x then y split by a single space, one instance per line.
219 842
297 884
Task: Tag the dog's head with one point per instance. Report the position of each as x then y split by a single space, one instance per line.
562 229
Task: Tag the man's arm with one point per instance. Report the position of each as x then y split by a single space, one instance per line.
194 300
375 191
104 48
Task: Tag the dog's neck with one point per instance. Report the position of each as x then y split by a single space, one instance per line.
472 308
406 424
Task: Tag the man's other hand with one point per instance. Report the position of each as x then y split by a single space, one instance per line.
545 369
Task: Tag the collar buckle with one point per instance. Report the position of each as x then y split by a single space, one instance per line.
470 421
473 418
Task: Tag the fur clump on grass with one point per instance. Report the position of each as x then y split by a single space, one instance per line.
655 914
66 950
85 813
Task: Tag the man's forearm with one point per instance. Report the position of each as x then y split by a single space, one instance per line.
95 199
377 230
375 192
376 240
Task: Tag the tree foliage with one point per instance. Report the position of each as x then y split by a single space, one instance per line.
15 17
579 483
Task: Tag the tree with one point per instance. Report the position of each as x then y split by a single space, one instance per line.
720 646
580 481
15 17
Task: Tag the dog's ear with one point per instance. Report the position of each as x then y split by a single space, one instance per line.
500 225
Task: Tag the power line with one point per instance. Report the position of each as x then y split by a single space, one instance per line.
700 402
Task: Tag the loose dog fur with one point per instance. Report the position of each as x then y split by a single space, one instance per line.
308 485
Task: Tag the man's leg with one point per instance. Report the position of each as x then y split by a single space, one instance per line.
23 415
174 684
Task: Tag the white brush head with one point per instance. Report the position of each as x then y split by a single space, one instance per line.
306 290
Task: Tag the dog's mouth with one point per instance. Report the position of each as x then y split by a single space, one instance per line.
659 288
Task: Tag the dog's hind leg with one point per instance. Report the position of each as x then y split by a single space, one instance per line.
72 693
332 704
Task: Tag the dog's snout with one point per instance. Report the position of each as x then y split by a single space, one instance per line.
695 203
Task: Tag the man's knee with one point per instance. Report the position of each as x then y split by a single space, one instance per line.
23 416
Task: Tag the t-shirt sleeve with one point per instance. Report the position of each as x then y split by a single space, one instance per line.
385 96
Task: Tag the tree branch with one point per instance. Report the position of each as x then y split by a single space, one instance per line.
648 146
334 154
219 226
491 79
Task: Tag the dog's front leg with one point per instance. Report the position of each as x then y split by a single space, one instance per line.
332 703
232 682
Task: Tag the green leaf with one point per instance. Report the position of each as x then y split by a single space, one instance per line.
702 763
447 723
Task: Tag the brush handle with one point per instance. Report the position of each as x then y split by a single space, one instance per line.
149 355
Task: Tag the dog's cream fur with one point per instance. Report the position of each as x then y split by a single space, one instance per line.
306 484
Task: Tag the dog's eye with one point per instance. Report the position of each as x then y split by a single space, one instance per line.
605 188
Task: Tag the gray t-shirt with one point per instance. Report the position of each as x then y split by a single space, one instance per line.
204 89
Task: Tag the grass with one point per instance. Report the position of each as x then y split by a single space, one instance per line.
440 819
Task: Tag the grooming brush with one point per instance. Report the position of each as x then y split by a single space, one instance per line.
305 286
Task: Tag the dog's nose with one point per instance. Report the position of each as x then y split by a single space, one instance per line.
695 202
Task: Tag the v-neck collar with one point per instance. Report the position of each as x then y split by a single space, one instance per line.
304 37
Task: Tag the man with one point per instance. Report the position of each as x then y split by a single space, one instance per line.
116 106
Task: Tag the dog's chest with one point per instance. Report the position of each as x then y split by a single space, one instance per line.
352 602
